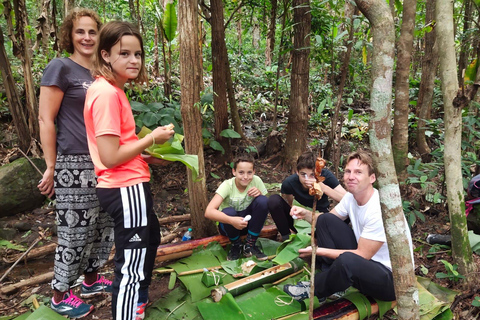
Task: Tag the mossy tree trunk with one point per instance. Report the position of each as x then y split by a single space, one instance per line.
381 21
461 250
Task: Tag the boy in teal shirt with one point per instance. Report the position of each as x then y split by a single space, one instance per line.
238 197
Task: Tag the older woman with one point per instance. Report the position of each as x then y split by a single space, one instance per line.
85 231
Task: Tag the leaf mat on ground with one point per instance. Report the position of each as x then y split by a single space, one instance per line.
474 241
174 306
435 300
211 256
172 150
288 250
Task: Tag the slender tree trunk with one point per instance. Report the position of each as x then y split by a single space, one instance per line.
255 31
43 28
381 21
190 76
425 93
14 104
271 33
461 250
465 41
237 124
298 116
402 90
332 148
239 33
156 61
68 6
21 47
281 58
219 77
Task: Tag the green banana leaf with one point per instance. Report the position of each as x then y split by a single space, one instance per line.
360 301
434 300
176 305
226 309
170 22
288 250
474 241
172 150
44 313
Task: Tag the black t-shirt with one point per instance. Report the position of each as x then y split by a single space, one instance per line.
292 186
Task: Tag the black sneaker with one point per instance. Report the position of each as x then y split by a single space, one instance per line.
235 251
249 251
300 291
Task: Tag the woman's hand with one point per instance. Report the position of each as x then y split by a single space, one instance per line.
46 184
305 252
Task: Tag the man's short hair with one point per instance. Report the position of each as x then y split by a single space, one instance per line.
365 158
243 157
306 161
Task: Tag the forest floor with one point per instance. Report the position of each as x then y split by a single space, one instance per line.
169 185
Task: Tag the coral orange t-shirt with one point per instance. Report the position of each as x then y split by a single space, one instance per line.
108 112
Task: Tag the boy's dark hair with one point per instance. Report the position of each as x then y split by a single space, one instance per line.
306 161
244 157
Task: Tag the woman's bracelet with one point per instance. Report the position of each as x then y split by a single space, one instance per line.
153 140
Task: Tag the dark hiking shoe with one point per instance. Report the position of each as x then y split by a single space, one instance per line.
249 251
235 251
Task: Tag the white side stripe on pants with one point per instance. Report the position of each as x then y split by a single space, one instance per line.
134 213
132 274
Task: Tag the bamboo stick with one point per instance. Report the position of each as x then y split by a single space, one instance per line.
312 265
170 219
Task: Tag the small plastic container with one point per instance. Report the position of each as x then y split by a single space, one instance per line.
187 235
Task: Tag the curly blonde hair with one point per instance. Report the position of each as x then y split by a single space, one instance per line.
66 42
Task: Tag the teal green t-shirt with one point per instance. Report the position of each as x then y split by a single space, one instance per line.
236 199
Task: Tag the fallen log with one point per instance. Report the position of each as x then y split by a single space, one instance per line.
28 282
170 219
341 309
35 253
185 248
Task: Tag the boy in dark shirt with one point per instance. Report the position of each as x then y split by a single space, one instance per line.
296 187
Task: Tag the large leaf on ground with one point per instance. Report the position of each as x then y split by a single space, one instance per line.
474 241
44 313
434 299
213 255
288 250
226 309
176 305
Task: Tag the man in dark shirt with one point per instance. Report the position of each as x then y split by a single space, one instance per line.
296 187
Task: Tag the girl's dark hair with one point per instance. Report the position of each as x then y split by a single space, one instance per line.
66 29
244 157
110 34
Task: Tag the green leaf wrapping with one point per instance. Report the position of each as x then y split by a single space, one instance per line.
172 150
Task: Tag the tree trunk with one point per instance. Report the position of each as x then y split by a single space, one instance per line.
255 31
219 77
402 94
332 149
43 28
14 104
466 41
237 124
68 6
298 116
156 61
425 93
281 58
381 21
461 250
271 33
191 116
23 47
